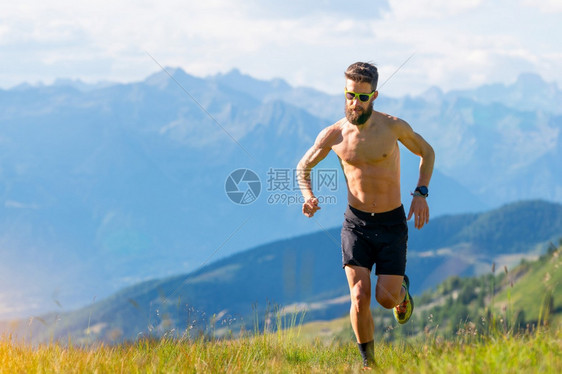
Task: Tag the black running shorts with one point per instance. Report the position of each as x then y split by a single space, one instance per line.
375 238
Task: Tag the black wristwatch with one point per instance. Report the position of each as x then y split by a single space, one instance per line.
421 191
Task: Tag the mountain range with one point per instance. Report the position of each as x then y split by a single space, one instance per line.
303 273
104 186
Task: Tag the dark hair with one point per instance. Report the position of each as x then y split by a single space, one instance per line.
363 72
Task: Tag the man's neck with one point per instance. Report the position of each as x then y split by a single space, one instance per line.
363 126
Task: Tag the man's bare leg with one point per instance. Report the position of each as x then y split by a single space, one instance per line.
389 291
392 292
359 279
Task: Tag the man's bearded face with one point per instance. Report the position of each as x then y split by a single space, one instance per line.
358 115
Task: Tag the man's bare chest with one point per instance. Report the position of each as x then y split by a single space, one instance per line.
370 148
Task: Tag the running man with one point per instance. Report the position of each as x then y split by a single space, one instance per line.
374 229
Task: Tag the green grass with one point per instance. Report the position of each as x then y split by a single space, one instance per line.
494 343
286 352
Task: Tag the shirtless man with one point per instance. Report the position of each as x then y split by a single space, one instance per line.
374 230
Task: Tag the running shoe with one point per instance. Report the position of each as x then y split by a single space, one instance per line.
403 311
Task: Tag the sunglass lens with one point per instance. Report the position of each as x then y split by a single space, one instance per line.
364 98
349 96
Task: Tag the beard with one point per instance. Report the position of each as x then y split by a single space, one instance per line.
358 118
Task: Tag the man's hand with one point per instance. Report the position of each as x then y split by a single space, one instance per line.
310 207
420 210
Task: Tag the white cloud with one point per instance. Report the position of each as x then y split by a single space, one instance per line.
456 44
469 43
431 9
545 6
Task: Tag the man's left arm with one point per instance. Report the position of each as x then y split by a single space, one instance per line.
417 145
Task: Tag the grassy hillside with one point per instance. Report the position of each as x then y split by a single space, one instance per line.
465 325
303 273
504 301
534 290
282 352
509 300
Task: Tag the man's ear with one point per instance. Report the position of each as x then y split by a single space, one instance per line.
375 95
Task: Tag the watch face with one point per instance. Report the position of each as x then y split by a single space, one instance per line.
423 190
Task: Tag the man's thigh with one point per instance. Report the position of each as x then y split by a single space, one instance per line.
358 276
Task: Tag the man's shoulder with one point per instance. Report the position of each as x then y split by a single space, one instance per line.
388 118
331 134
337 126
392 122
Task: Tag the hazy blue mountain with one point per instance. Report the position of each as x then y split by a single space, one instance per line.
107 185
529 93
303 272
493 139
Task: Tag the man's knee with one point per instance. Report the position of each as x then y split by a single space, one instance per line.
360 299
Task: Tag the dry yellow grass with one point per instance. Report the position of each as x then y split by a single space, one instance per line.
284 352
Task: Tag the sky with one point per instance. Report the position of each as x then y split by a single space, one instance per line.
416 44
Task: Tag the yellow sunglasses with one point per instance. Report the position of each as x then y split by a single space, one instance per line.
350 95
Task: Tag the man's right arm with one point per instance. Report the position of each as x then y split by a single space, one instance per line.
311 158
